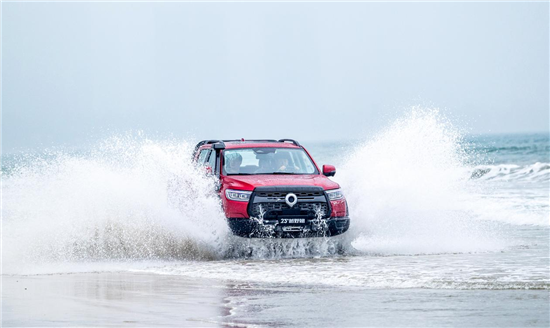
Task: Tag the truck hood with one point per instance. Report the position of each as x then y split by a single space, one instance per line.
249 182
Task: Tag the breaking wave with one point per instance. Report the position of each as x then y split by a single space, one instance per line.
538 172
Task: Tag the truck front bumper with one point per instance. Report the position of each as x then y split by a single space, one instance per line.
253 228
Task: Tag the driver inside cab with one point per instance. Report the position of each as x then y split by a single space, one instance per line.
282 163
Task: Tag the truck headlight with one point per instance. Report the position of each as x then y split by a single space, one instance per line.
238 195
335 194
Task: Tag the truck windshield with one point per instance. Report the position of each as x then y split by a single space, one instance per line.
246 161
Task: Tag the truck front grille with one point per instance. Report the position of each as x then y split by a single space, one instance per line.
275 210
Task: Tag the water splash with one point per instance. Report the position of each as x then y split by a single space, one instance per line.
409 191
275 248
111 203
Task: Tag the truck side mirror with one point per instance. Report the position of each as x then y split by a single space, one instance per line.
329 170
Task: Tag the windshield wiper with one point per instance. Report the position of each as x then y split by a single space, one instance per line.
284 173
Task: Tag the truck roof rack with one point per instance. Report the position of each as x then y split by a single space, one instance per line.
251 140
264 140
290 140
222 142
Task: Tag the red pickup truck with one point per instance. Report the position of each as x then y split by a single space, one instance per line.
273 188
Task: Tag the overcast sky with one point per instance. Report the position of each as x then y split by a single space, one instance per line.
72 72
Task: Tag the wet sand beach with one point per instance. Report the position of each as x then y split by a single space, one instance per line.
110 299
145 300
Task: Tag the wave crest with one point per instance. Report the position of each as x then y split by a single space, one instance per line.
538 172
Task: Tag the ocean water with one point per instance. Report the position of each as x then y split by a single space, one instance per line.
437 216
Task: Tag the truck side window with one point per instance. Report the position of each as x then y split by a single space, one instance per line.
212 160
202 156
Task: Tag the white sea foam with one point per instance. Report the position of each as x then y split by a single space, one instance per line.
489 270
